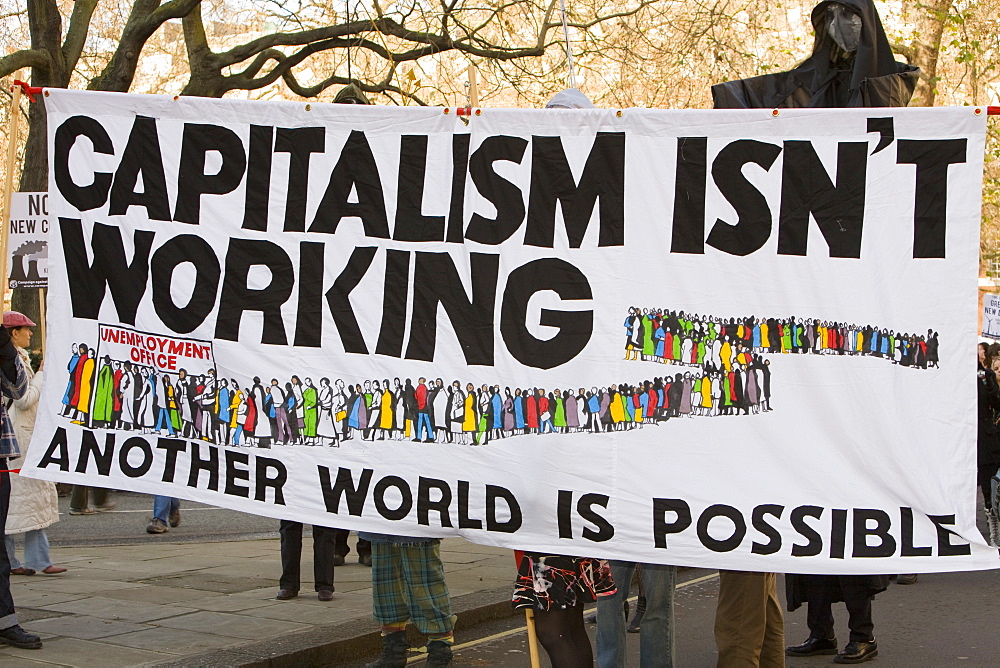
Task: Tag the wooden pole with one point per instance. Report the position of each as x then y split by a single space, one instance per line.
41 319
8 184
529 618
473 87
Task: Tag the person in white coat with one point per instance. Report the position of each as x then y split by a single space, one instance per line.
34 504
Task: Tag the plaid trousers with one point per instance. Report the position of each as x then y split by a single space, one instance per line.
408 583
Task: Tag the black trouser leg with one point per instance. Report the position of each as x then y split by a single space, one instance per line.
859 610
324 544
820 619
291 554
7 616
340 542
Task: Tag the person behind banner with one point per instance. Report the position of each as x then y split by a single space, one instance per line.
166 514
408 584
291 559
14 385
34 504
656 643
988 436
556 587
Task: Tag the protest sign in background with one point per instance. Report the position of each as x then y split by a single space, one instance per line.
991 316
728 339
28 240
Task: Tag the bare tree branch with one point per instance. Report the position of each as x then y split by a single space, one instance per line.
22 59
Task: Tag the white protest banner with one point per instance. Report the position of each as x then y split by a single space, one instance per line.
27 243
730 339
991 316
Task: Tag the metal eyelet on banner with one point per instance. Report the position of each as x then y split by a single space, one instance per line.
979 111
775 112
309 107
619 113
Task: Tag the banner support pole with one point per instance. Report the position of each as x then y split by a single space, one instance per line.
529 619
41 319
8 184
473 87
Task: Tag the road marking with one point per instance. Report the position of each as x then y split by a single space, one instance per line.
420 653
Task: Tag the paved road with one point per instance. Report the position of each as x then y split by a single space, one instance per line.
126 524
947 619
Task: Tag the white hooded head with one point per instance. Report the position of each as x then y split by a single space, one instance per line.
571 98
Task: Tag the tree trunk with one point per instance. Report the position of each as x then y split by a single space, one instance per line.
928 18
206 74
45 26
118 74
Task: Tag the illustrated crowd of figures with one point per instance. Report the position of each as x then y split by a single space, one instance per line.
673 337
731 376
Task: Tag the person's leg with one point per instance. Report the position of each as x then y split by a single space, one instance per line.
739 619
161 508
36 550
388 596
174 518
562 634
11 556
819 617
772 652
364 549
341 547
8 617
101 498
323 551
656 640
859 610
611 617
291 554
427 597
78 498
389 604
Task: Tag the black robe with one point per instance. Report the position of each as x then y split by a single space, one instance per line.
872 78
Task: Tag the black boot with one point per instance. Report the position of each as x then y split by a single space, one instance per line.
438 653
394 648
640 610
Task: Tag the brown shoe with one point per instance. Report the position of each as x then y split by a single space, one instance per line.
53 570
324 595
21 570
175 518
286 594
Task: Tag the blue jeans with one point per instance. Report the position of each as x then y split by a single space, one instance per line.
165 418
163 506
656 641
424 426
36 550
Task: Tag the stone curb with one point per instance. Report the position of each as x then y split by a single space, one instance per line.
344 644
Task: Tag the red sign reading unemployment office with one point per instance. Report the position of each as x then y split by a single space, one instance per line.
716 338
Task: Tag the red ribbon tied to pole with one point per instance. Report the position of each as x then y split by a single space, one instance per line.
30 91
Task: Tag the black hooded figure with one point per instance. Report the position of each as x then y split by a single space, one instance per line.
851 65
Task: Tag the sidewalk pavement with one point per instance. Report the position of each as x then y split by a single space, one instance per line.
162 603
